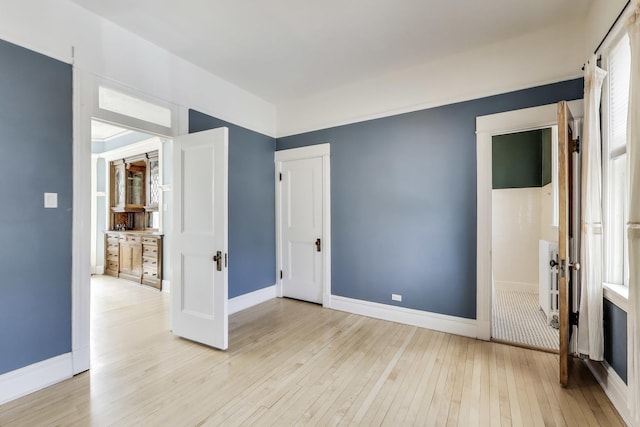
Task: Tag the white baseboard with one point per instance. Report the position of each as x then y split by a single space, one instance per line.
613 386
81 359
99 269
242 302
166 286
407 316
35 377
517 286
484 330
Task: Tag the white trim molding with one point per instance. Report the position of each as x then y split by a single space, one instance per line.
166 286
486 127
613 386
37 376
242 302
81 224
422 319
617 294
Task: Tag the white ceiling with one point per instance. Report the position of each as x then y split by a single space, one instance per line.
283 50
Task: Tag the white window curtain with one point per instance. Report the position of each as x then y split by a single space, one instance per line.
633 226
590 331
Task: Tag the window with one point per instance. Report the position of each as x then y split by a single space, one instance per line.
616 100
121 103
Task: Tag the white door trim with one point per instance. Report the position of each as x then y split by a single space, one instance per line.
486 127
81 224
323 151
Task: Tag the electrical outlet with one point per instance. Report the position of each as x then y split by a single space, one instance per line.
396 297
50 200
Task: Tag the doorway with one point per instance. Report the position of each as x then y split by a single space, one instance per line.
303 218
487 127
524 236
109 289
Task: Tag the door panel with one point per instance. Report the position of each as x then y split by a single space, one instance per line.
198 300
199 294
301 209
568 247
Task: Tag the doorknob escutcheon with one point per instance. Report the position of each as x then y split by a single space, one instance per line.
318 245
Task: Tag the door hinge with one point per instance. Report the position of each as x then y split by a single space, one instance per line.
280 177
575 145
573 318
226 260
280 274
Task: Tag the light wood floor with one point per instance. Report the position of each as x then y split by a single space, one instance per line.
292 363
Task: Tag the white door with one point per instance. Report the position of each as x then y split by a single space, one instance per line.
199 287
303 236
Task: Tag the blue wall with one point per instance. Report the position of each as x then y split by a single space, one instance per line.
615 338
252 241
403 201
35 243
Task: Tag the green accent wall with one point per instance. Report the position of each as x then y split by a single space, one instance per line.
521 160
546 156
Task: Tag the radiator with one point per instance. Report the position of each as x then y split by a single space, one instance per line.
548 281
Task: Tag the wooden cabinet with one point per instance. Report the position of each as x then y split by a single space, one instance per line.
112 254
152 261
134 256
153 182
135 187
118 185
135 192
130 257
133 250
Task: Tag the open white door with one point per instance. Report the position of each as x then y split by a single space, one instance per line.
199 278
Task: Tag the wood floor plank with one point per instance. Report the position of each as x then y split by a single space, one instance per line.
292 363
425 384
403 400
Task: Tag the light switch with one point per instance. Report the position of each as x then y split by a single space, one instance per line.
50 200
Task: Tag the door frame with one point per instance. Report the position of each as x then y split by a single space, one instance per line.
322 151
486 127
85 108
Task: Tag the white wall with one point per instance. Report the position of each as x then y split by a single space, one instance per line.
516 231
521 217
102 48
548 231
599 19
549 55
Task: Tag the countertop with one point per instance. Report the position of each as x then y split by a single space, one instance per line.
140 232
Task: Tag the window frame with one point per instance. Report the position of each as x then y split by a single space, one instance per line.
611 245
